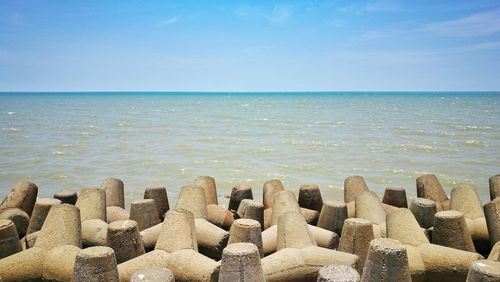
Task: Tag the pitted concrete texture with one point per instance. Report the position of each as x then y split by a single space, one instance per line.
332 216
495 252
450 230
368 207
252 210
177 232
211 238
193 199
156 258
61 227
492 216
354 186
116 213
92 204
23 266
220 216
284 202
94 233
124 238
311 216
338 273
269 191
114 192
395 197
150 236
40 211
428 187
387 260
293 232
95 264
188 265
160 196
466 200
208 184
423 209
9 239
66 196
238 194
484 271
22 196
29 240
241 262
144 212
310 197
59 263
356 237
494 182
20 218
402 226
246 230
153 274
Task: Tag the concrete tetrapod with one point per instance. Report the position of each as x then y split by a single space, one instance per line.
188 265
337 273
354 186
241 262
428 187
251 209
66 196
332 216
495 252
144 212
159 195
356 237
387 260
23 266
19 217
124 238
492 215
494 182
220 216
61 227
94 233
269 191
9 239
450 230
310 197
211 238
246 231
484 271
116 213
177 232
193 199
368 207
59 263
40 211
153 274
395 197
92 204
114 189
95 264
293 232
311 216
156 258
208 185
284 202
238 194
22 196
423 209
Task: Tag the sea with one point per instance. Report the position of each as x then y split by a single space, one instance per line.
74 140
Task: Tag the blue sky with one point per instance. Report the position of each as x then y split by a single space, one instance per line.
249 45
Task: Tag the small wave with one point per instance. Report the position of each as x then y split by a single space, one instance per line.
11 113
13 129
342 122
58 153
475 143
472 127
411 146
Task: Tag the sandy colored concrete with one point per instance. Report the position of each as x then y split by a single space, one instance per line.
210 188
115 213
9 239
428 187
156 258
124 238
144 212
95 264
311 216
22 196
220 216
20 218
23 266
492 217
239 193
241 262
29 240
150 236
92 204
338 273
251 209
332 216
354 186
40 211
94 233
188 265
484 271
368 207
211 238
494 182
310 197
395 197
114 189
387 260
495 252
59 263
177 232
153 274
402 226
246 231
66 196
269 191
268 218
284 202
423 209
293 232
62 227
356 237
160 196
450 230
193 199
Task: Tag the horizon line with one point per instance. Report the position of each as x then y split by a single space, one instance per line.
243 92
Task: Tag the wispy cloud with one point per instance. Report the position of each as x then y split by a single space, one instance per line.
280 14
169 21
479 24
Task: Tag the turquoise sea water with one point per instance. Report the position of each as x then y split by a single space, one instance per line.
74 140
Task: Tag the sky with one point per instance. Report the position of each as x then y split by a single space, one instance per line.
446 45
